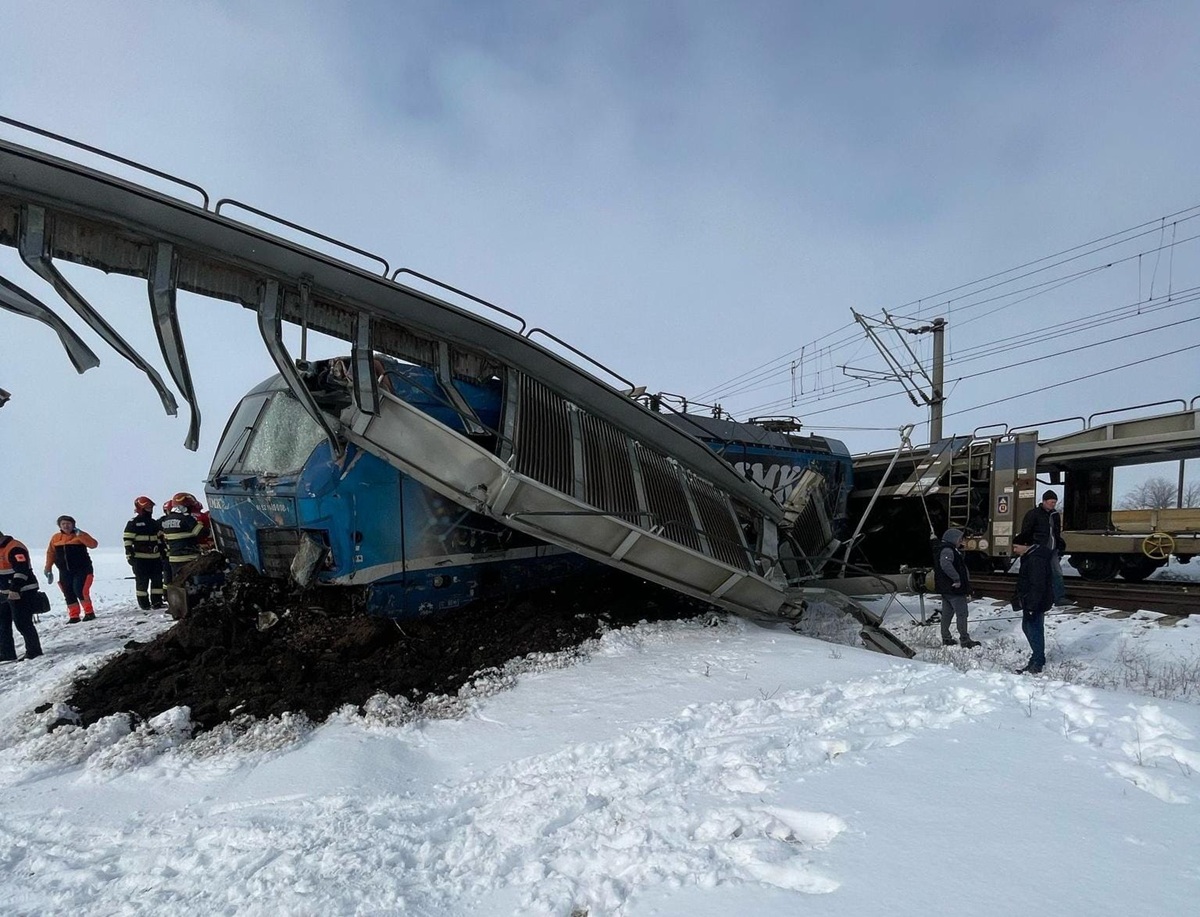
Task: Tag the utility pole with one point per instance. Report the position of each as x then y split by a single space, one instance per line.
937 397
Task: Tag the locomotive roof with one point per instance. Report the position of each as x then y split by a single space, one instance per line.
707 427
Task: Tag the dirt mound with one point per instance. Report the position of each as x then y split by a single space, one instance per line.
254 648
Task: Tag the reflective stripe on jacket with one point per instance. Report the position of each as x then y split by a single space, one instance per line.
14 564
182 532
143 538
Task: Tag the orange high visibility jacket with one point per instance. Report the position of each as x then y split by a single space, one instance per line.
14 565
70 552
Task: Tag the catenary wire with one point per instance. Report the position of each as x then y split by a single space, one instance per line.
1123 236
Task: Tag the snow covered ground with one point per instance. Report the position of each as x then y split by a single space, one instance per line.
673 769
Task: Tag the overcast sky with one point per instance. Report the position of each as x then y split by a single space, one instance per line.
686 190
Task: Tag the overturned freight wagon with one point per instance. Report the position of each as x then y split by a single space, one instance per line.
475 411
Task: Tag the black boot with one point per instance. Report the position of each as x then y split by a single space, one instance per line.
968 643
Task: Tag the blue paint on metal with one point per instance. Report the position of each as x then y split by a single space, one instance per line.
413 552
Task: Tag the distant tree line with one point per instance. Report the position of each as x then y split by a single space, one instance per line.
1159 493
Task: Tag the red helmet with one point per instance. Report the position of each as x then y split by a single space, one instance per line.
143 505
186 500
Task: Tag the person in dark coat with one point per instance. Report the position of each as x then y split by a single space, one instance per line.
953 582
183 533
1042 525
1035 593
19 600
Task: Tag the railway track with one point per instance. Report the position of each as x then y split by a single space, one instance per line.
1180 599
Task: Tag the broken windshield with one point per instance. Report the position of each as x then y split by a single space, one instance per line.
282 439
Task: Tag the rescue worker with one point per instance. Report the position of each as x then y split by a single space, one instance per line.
19 600
183 532
953 583
145 550
68 550
207 543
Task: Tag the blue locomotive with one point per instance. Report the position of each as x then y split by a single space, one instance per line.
283 502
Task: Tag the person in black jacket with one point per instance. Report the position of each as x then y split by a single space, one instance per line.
953 582
1035 592
1042 525
145 550
19 600
182 532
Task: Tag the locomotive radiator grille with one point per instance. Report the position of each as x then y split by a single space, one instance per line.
277 549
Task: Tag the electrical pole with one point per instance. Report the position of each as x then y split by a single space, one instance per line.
937 398
909 373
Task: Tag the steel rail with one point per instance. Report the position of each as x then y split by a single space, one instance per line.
1181 599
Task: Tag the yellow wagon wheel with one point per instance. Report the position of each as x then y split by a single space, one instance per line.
1158 545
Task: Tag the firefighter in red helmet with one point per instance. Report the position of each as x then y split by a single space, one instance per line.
186 535
145 550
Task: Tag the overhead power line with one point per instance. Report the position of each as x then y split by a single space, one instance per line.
1126 312
994 370
1101 372
815 351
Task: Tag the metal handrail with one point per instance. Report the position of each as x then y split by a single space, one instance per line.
304 229
1050 423
975 433
107 155
445 286
1135 407
578 353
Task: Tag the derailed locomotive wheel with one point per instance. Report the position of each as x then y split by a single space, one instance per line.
1158 545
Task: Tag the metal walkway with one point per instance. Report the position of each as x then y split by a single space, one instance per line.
577 462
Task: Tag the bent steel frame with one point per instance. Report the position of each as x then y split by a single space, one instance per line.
576 461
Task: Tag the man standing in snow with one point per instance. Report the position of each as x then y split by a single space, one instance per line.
183 532
1042 525
1035 590
953 582
68 550
146 552
18 600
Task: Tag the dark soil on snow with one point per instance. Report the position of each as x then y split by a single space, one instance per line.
228 657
